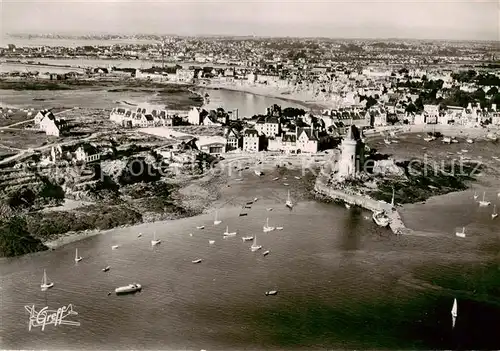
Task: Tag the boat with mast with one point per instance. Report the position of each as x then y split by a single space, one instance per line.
217 221
494 214
454 313
267 228
254 246
461 234
228 233
155 242
475 195
289 202
45 283
247 238
483 202
77 258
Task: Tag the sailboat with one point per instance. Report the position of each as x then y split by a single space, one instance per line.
155 242
494 214
227 233
254 246
483 202
78 258
288 202
216 220
475 196
461 234
454 313
45 284
267 228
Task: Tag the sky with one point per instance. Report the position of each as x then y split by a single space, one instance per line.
420 19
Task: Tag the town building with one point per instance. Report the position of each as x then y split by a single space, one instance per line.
251 140
351 159
307 140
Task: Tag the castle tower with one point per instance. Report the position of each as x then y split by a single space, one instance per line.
351 154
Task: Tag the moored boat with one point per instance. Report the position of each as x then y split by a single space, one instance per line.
247 238
197 260
271 292
254 246
107 268
267 228
45 283
461 234
77 258
289 202
128 289
155 242
228 233
381 218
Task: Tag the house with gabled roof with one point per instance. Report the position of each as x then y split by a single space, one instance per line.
51 126
41 115
251 140
307 140
233 139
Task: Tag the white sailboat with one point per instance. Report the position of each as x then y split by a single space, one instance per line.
45 284
216 220
78 258
494 214
454 313
289 202
228 233
475 195
483 202
254 246
267 228
461 234
155 242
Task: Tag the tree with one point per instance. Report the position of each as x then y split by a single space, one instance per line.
411 108
492 91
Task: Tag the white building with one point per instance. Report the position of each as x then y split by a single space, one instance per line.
251 140
351 154
307 140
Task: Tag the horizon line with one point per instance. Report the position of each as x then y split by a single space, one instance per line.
251 36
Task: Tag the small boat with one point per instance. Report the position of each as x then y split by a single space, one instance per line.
271 292
265 253
190 234
238 179
269 209
348 206
140 234
381 218
243 214
447 140
387 141
45 284
470 141
475 196
429 138
279 228
211 242
285 178
298 178
255 199
494 214
454 140
483 202
197 260
289 202
128 289
77 258
216 220
275 179
105 269
454 313
247 238
254 246
200 227
258 173
155 242
228 233
286 184
461 234
114 247
267 228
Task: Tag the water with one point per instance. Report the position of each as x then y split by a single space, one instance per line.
247 104
343 283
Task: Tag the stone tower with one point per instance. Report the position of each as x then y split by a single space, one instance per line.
351 154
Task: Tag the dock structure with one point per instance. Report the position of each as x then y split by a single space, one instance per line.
396 222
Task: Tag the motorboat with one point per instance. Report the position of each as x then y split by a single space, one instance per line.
494 214
254 246
298 178
211 242
258 173
45 283
286 184
200 227
155 242
271 292
255 199
114 247
461 234
381 218
197 260
247 238
470 141
128 289
483 202
289 202
140 234
279 228
217 221
77 258
454 313
265 253
348 206
269 209
267 228
275 179
107 268
228 233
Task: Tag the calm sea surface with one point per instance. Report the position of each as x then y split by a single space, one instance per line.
342 281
